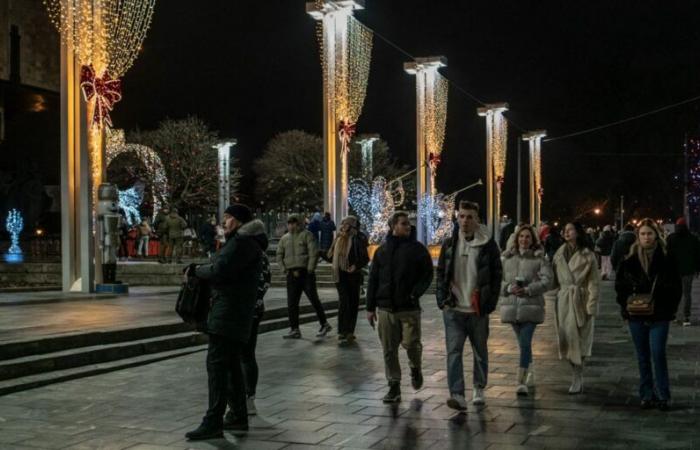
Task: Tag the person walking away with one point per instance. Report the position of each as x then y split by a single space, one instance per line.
327 229
161 226
401 272
604 246
207 235
527 275
552 242
469 275
233 278
315 227
297 257
144 236
176 226
348 255
577 277
622 246
650 271
685 249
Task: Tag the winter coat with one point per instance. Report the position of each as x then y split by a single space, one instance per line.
358 255
685 249
401 272
326 228
605 242
297 251
577 302
631 279
489 272
175 226
233 277
621 248
315 226
207 234
535 270
159 224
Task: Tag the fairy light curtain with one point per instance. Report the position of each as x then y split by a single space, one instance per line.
435 124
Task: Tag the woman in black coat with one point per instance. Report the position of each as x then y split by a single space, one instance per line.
348 255
648 269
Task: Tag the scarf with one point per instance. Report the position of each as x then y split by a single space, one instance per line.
569 252
340 252
645 256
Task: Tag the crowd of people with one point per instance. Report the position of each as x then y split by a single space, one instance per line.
475 277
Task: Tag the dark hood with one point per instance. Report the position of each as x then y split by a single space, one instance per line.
255 229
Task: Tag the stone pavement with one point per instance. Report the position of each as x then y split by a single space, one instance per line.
313 394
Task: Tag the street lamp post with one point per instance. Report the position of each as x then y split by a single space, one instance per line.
224 158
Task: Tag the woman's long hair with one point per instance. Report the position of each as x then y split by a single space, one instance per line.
513 244
582 240
647 222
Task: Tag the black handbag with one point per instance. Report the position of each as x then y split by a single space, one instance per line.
193 302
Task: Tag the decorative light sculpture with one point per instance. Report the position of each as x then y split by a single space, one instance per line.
346 51
130 200
116 145
14 224
367 147
374 206
438 211
496 149
431 116
224 153
534 139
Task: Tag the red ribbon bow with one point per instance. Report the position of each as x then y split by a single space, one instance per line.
106 90
500 180
434 160
346 130
540 192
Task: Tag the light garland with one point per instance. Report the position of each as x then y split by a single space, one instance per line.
373 206
116 145
14 224
499 144
130 200
435 121
537 168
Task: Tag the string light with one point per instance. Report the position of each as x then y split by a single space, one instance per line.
693 151
435 121
373 206
14 224
499 144
116 145
438 211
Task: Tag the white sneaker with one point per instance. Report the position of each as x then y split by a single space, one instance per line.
530 379
576 381
252 410
521 377
478 398
458 402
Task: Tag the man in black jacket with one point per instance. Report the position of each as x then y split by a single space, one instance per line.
622 246
469 276
401 272
233 277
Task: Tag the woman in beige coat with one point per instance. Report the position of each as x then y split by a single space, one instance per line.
578 279
527 275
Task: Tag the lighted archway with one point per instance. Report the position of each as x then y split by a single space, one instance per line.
116 145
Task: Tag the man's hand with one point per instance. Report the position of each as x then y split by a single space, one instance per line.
351 269
371 318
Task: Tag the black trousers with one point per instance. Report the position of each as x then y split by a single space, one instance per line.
305 282
226 385
248 362
348 286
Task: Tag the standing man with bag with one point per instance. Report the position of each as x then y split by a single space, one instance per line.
233 277
400 274
297 255
469 277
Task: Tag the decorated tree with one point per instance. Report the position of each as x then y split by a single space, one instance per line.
290 171
190 162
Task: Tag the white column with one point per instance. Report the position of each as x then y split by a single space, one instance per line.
367 147
77 243
224 157
425 70
492 201
534 139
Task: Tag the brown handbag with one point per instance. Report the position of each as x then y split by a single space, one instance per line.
642 304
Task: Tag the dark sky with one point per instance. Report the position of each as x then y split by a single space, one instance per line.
251 69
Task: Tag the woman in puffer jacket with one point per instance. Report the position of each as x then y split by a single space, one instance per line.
527 275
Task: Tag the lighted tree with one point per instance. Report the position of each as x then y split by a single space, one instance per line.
190 162
290 171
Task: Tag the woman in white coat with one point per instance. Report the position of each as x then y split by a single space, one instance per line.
527 275
577 276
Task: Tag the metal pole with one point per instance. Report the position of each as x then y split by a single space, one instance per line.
686 212
622 212
520 188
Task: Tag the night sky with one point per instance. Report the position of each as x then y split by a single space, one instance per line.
251 69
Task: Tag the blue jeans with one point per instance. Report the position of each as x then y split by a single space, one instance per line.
524 333
459 326
650 342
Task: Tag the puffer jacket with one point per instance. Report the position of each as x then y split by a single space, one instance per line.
233 277
489 271
297 251
533 267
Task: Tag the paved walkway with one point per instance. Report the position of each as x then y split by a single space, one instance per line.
313 394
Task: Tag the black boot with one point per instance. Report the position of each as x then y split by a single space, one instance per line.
205 432
233 423
416 378
394 395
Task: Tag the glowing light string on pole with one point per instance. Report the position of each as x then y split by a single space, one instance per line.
496 149
346 50
431 115
534 139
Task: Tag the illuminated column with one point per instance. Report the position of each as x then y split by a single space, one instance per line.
534 139
77 243
224 149
333 15
494 148
367 146
426 72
